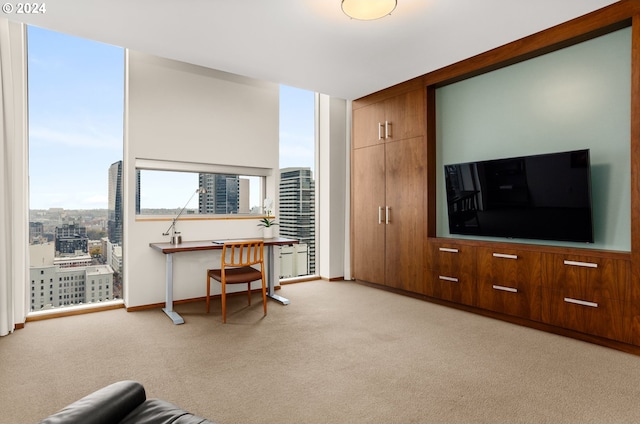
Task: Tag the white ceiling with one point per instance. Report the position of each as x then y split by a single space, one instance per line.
309 44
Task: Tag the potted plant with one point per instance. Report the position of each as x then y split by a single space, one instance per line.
267 222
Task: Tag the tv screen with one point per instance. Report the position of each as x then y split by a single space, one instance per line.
545 197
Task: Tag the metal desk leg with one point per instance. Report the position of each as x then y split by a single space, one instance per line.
168 309
271 278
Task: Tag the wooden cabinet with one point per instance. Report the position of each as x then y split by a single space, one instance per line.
368 186
404 214
509 281
388 193
396 118
549 286
587 294
451 272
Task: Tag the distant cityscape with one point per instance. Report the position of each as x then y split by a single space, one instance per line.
76 255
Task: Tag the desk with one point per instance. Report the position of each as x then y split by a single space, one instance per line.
168 249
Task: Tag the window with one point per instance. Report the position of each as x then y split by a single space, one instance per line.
297 191
166 192
76 102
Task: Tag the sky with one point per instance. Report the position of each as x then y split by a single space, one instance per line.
76 101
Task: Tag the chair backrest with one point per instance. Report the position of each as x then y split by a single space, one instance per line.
242 253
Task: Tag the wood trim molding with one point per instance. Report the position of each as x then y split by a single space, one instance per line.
635 183
191 300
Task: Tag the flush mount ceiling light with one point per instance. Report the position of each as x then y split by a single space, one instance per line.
367 10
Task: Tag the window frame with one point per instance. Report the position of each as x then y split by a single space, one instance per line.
203 168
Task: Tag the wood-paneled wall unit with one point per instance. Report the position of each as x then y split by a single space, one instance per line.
389 182
593 295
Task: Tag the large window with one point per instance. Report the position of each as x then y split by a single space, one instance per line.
297 190
170 192
76 101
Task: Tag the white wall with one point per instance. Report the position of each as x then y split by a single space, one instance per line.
185 113
333 160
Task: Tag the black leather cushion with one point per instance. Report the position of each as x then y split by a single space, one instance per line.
108 405
160 412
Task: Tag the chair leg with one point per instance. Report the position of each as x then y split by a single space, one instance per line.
249 292
223 296
208 290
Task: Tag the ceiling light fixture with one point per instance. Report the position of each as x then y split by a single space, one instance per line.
367 10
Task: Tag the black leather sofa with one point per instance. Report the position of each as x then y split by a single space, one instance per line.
124 402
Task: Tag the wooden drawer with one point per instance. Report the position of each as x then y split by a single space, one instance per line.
522 300
588 278
456 287
451 259
509 267
509 281
604 318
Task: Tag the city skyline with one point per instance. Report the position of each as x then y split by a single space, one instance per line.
76 100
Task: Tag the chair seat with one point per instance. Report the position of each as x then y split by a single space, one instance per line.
238 260
236 275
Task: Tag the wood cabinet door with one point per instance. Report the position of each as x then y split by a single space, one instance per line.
406 115
368 125
368 202
406 167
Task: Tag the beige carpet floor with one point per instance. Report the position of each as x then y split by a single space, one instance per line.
339 353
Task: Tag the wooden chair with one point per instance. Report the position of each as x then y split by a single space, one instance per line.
236 268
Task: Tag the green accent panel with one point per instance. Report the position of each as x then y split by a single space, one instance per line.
574 98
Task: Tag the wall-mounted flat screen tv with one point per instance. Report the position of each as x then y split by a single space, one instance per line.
546 197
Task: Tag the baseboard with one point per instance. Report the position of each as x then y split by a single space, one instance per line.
191 300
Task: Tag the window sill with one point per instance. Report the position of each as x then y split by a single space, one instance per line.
66 311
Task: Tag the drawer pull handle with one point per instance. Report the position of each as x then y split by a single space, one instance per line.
505 256
452 279
507 289
581 302
448 249
583 264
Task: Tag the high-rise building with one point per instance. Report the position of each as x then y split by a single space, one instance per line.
36 232
114 214
222 194
297 216
52 286
70 239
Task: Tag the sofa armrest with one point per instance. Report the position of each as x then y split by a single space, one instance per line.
160 411
105 406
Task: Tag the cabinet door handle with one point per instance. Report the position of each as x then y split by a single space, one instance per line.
448 250
505 256
379 214
444 278
507 289
581 302
387 129
380 130
583 264
387 214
